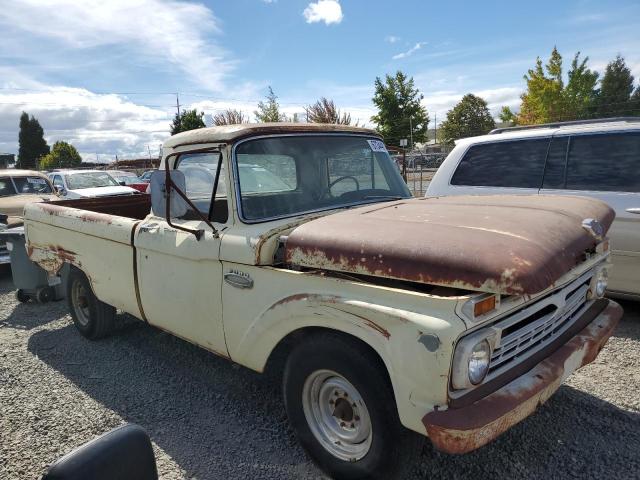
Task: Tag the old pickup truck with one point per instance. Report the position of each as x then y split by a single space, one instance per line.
451 317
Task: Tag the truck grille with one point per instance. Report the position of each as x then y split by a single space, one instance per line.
534 327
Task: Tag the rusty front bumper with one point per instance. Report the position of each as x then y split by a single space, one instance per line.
461 430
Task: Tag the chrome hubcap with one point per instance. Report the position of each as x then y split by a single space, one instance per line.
80 303
337 415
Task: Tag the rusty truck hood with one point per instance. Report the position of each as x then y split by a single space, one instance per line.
509 244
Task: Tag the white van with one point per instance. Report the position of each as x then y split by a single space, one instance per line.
593 158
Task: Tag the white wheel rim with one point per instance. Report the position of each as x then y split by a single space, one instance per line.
80 303
337 415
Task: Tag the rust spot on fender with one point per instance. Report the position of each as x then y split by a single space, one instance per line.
331 300
465 429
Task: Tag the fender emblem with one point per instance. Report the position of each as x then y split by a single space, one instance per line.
594 227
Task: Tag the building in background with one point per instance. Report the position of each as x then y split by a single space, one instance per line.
7 159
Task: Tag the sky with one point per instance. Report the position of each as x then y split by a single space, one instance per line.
103 74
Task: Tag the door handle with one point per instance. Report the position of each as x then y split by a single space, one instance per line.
634 210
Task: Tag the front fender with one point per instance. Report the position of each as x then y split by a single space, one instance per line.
415 348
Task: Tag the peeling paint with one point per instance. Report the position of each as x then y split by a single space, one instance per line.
430 341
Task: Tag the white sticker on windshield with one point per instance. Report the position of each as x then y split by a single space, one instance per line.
377 145
37 181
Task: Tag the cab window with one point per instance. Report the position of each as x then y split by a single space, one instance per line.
6 187
199 171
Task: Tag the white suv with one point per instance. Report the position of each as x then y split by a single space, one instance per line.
594 158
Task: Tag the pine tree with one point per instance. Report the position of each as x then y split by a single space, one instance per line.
615 90
580 93
31 142
187 120
470 117
269 111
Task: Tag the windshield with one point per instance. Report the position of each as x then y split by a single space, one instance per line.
31 185
128 179
289 175
76 181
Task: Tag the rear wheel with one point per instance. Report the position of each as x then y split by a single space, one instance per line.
341 405
93 319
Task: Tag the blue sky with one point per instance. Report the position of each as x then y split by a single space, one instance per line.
101 73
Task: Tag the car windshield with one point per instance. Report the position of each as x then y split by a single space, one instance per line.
76 181
6 187
27 185
289 175
128 179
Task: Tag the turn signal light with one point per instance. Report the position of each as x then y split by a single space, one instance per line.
484 306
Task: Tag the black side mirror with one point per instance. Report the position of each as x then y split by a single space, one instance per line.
123 184
124 453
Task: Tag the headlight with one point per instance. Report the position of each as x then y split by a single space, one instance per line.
601 282
472 358
479 362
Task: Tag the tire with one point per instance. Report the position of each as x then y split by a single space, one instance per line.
44 295
93 319
21 296
338 371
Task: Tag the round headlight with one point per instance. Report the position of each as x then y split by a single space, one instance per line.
601 282
479 362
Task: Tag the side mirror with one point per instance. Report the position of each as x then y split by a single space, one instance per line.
178 207
124 453
123 184
59 190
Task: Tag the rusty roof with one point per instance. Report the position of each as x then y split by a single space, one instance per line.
228 133
510 244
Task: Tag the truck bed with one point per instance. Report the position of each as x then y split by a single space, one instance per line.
95 235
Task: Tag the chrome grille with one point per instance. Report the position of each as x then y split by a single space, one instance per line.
532 328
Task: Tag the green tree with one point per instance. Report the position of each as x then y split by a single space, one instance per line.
32 144
269 111
470 117
580 94
400 114
230 116
543 101
615 90
507 116
325 111
62 155
187 120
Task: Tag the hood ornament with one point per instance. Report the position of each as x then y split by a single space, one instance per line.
594 227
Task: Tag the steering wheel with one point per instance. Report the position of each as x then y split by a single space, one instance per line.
327 190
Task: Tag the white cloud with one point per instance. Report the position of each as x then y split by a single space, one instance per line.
409 52
391 39
327 11
163 31
439 103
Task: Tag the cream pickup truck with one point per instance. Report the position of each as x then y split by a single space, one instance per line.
451 317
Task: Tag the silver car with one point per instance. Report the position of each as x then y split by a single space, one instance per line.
595 158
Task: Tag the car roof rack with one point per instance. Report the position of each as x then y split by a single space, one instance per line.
564 124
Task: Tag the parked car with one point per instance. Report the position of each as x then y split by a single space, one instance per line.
449 317
146 176
129 179
595 158
72 184
17 188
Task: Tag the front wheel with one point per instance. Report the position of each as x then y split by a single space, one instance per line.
93 319
341 406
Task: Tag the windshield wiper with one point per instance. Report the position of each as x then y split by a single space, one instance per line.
384 197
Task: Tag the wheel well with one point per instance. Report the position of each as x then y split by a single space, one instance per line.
278 356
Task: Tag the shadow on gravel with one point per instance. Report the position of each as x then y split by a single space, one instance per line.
27 316
216 419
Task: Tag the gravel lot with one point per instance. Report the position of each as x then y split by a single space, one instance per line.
211 419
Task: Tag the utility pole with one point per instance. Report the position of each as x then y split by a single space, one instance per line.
435 126
178 105
149 150
411 133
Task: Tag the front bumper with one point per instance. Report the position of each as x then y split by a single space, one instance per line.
461 430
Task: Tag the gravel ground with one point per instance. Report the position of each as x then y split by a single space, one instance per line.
210 419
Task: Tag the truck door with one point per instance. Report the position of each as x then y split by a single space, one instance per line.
179 276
